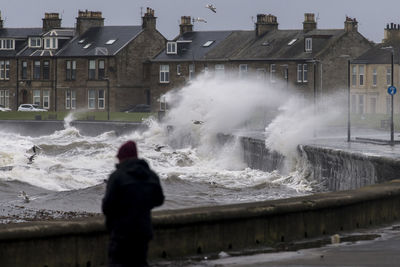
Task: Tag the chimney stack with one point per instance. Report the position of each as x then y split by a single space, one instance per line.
186 25
309 23
88 19
265 23
350 25
51 21
392 33
148 20
1 22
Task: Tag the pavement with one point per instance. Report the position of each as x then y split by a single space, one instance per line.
371 247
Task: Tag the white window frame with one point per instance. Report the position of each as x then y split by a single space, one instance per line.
5 98
36 97
50 43
305 73
101 101
308 44
374 77
4 69
361 71
35 42
70 99
7 44
91 99
261 73
178 69
191 71
299 73
46 99
243 70
219 70
272 72
164 73
389 75
171 48
354 75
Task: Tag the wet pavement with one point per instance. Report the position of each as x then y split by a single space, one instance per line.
370 247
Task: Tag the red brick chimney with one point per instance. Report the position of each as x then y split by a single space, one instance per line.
88 19
350 25
148 20
186 25
265 23
309 23
51 21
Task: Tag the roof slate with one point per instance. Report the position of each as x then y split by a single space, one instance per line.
97 38
19 32
378 55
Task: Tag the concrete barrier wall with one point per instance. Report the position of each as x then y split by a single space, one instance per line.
199 231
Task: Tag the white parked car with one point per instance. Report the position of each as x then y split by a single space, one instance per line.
2 108
30 107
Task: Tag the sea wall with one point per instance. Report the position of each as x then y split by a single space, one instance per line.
206 230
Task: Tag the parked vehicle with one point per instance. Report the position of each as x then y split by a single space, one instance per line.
3 108
30 107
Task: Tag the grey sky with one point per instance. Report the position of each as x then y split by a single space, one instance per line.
231 14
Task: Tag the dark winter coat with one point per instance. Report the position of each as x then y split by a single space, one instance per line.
133 189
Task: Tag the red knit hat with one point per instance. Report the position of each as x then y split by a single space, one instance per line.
127 150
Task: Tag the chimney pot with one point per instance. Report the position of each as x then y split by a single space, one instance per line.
309 23
186 25
149 20
265 23
51 21
88 19
350 24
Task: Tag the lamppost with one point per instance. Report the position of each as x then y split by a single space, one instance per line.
108 97
391 91
348 97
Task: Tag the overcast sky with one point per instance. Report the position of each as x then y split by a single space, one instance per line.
231 14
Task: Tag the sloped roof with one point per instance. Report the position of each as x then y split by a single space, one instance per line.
19 32
379 54
245 45
93 41
191 45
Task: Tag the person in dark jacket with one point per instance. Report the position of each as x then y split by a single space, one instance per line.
133 189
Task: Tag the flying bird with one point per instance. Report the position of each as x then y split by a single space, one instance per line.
212 8
199 20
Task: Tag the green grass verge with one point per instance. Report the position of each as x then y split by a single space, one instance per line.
97 116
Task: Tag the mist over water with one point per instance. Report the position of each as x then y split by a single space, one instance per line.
194 168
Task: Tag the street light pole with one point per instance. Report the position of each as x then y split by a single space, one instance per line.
108 97
348 102
391 96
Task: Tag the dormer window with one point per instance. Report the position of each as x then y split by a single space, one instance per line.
35 42
7 44
50 43
171 48
308 44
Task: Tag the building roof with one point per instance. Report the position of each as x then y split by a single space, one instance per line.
106 40
379 54
193 45
245 45
19 32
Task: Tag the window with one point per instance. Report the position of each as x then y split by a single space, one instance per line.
111 41
87 46
353 104
220 70
50 43
4 98
101 101
178 69
292 41
46 99
305 73
164 73
101 71
92 69
208 43
191 72
261 73
46 70
361 74
360 104
308 44
91 99
70 70
35 42
24 70
242 70
353 75
373 105
272 71
4 69
299 73
7 44
36 70
36 97
389 76
70 99
374 78
171 47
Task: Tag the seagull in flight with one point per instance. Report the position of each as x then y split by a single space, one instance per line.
212 8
